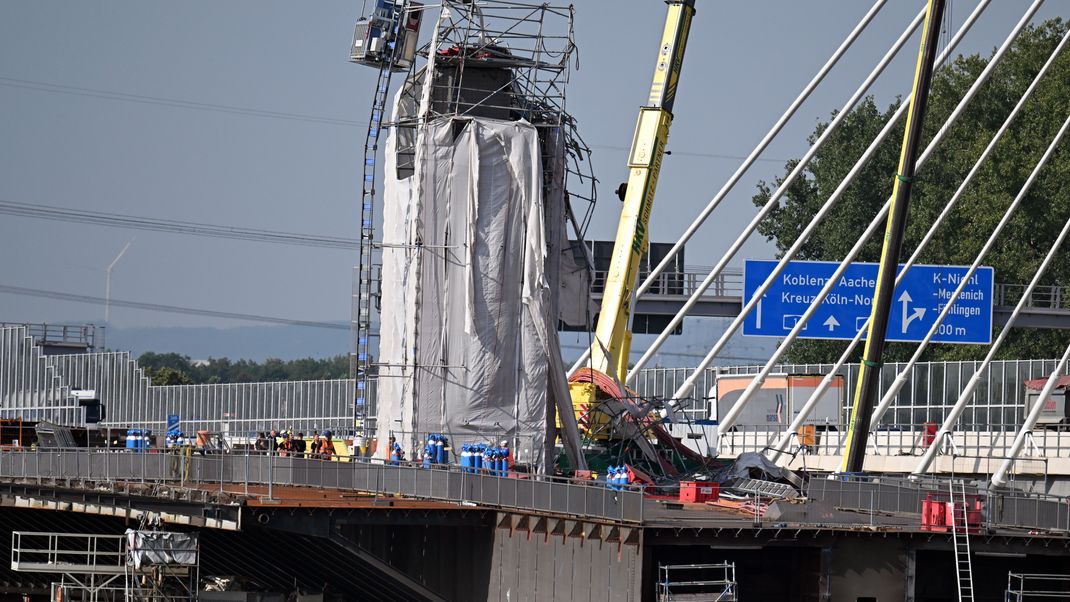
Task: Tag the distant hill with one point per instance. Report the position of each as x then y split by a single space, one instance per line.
255 343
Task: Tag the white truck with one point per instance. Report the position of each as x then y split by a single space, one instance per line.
1055 409
779 400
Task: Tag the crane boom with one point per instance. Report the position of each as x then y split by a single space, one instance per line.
609 353
599 400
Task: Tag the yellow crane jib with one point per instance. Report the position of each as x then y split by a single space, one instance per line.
609 354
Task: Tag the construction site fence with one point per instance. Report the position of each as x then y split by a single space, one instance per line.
250 468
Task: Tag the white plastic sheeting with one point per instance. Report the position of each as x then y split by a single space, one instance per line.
160 548
471 252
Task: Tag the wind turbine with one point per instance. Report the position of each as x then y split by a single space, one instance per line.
107 281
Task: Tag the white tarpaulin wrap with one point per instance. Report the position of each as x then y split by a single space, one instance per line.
161 547
469 314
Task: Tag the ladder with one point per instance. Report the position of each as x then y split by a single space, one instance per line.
365 287
766 488
960 535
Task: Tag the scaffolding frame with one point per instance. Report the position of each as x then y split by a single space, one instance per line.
1022 587
498 59
695 587
99 567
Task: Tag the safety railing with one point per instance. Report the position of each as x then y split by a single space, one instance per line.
68 553
931 388
729 283
82 335
888 500
533 493
968 440
1042 297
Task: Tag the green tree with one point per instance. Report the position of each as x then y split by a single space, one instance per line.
167 375
225 370
155 361
1032 230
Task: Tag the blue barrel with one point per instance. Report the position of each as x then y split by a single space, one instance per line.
488 459
465 457
441 455
428 451
133 438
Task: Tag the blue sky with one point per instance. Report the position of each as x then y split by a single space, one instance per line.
744 64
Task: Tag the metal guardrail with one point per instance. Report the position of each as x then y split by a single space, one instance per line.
930 390
82 335
533 493
881 496
1016 510
968 440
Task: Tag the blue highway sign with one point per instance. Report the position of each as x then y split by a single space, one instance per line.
916 303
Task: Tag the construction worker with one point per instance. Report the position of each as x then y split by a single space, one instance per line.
327 449
300 445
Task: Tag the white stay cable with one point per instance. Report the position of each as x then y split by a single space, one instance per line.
967 391
1000 476
689 384
754 154
901 378
878 221
774 200
804 412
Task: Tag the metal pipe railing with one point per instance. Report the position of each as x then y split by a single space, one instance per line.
245 468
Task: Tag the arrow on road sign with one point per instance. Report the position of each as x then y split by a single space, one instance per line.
849 302
919 312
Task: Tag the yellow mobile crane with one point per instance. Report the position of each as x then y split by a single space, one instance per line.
609 354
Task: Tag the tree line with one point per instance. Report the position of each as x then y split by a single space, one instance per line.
176 369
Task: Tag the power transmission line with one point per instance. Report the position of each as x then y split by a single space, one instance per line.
171 102
117 220
26 84
175 309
